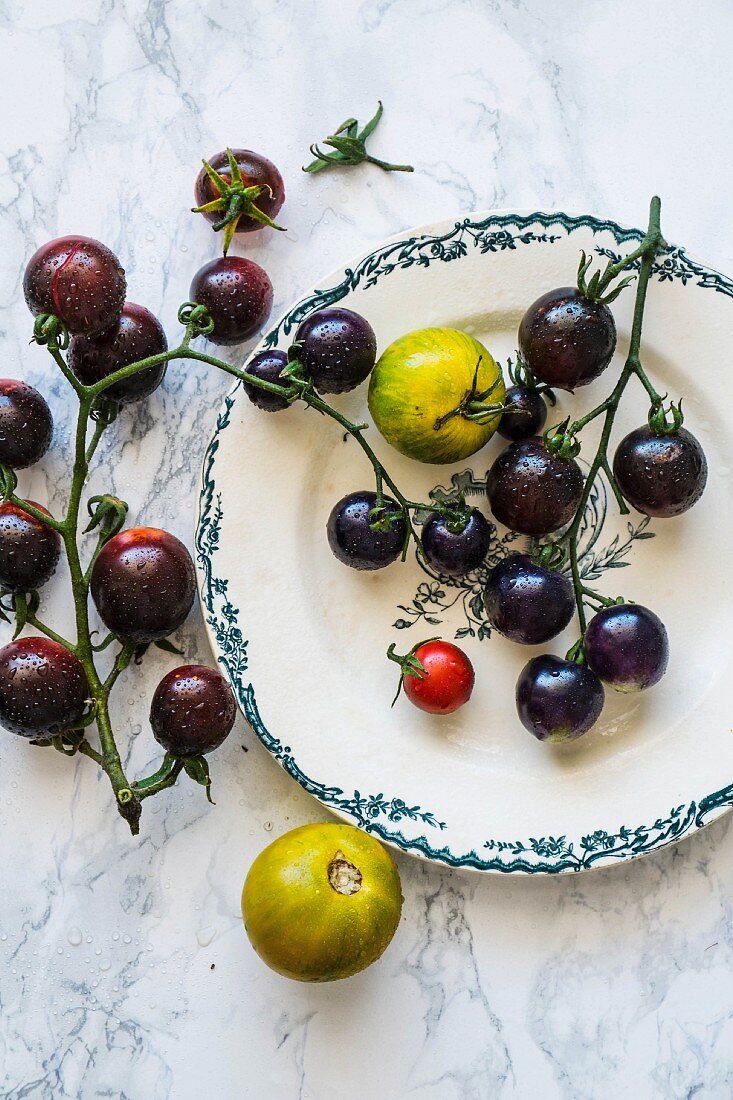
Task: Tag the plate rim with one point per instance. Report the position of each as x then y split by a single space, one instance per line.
539 856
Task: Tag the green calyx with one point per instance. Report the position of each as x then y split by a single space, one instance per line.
665 421
599 287
382 518
349 147
106 512
50 331
560 442
520 375
409 664
456 517
8 482
235 200
595 288
550 555
576 653
475 404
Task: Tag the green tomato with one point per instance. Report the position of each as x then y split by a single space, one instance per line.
423 378
322 902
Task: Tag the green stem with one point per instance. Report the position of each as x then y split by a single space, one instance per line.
614 270
86 749
66 370
34 621
94 443
129 796
165 776
36 512
122 660
593 595
127 804
647 250
387 166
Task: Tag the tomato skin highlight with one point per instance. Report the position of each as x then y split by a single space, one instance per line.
29 549
448 682
301 925
79 280
26 424
143 584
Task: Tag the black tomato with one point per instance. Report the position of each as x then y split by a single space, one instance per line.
660 475
362 539
558 700
525 413
566 339
531 490
456 552
336 349
143 584
256 171
79 280
192 711
26 424
267 365
29 549
626 646
43 687
138 334
238 295
526 602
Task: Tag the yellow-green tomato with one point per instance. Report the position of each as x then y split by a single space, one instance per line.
423 387
322 902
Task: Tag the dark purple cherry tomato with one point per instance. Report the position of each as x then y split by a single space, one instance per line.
660 475
567 340
143 584
29 549
193 710
558 700
26 424
336 348
137 335
526 602
362 539
238 295
454 550
533 491
446 682
267 365
525 413
79 280
626 646
256 171
43 687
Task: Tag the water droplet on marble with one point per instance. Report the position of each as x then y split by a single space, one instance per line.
205 936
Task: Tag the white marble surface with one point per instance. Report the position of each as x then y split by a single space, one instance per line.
605 985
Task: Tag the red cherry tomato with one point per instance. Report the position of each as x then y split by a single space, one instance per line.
447 679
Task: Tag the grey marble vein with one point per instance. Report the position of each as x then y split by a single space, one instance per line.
124 969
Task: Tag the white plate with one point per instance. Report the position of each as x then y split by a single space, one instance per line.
303 639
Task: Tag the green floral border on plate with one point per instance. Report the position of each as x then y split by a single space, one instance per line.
381 813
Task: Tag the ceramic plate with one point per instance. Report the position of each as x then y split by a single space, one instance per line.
303 639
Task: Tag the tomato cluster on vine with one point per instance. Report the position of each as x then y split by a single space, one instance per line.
536 488
141 579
